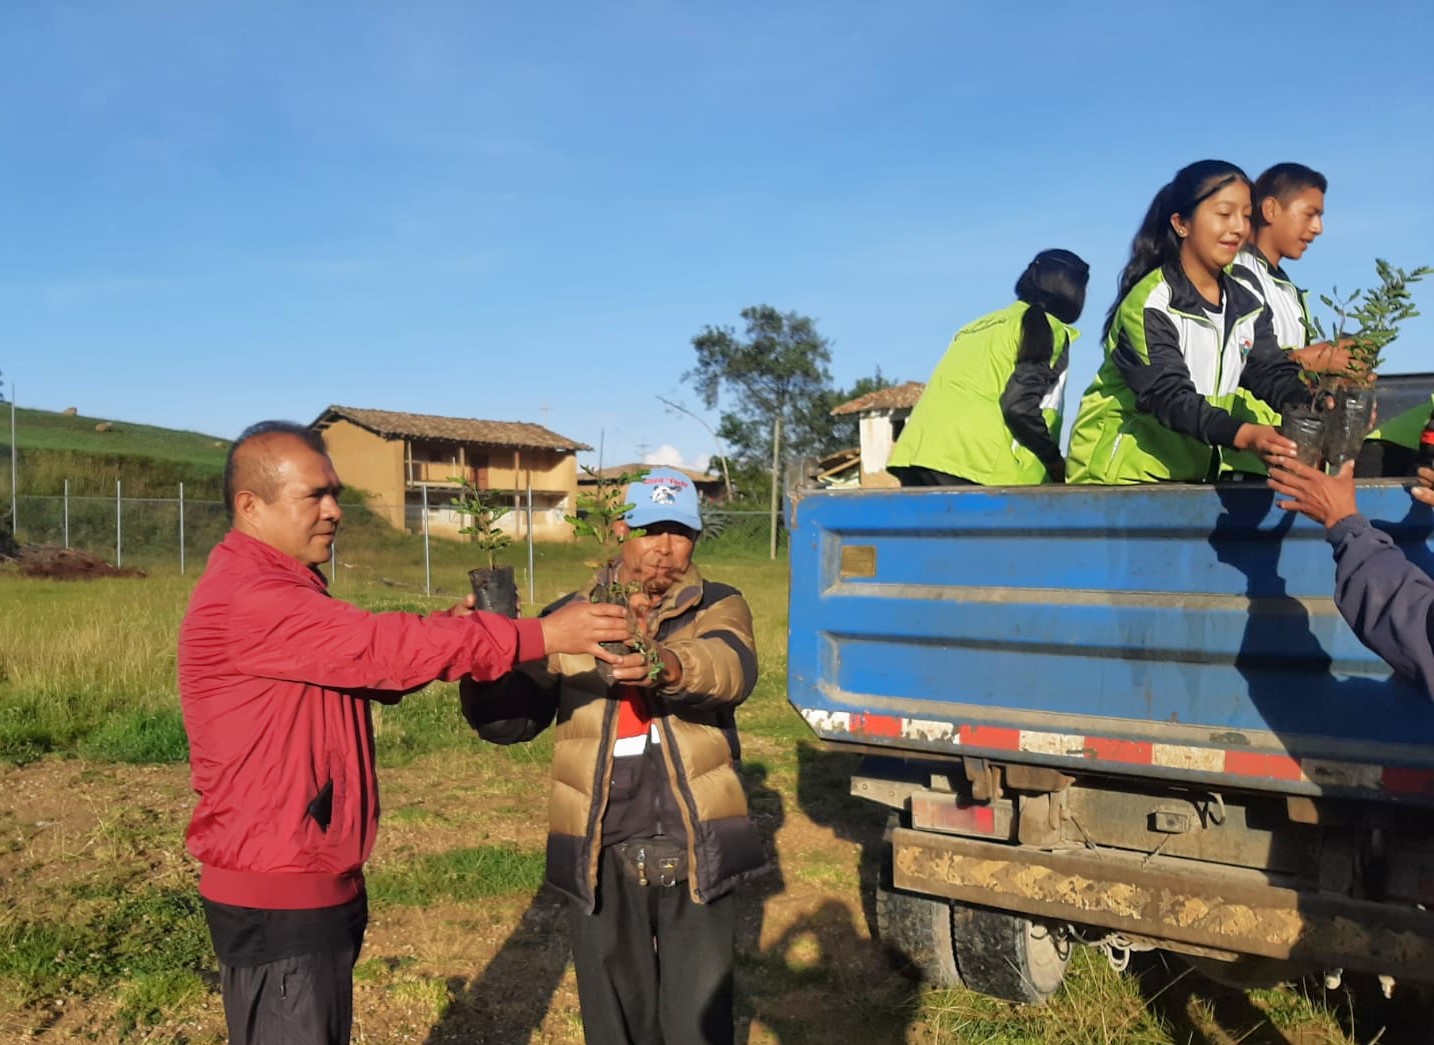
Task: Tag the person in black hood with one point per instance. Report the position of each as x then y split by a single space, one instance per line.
991 413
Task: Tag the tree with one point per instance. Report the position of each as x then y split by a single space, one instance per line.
775 377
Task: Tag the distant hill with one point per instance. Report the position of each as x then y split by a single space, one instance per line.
150 461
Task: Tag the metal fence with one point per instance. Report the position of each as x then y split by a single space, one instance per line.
177 533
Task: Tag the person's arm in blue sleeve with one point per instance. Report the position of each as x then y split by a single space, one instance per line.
1387 601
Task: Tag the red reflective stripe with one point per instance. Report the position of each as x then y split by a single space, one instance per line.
991 736
876 725
1271 767
1403 781
1138 752
982 818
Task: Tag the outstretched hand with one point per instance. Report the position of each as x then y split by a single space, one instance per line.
464 608
1264 440
1324 498
580 626
634 669
1423 490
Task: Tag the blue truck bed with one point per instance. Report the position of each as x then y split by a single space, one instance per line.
1180 632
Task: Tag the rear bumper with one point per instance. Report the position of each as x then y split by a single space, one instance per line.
1185 902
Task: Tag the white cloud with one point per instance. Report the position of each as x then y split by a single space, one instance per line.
669 455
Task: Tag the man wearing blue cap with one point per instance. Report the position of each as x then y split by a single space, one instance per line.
648 832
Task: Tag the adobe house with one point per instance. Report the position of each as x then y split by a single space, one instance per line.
880 417
397 458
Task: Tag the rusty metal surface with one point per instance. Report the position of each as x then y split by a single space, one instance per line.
1246 831
1179 901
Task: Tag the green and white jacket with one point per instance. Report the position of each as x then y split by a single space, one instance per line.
1160 406
991 412
1288 304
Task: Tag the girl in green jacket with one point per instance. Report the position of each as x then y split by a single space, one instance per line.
1180 340
991 413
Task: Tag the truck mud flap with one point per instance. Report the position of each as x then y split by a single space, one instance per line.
1161 900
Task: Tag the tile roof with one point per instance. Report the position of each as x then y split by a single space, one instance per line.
632 469
392 423
897 397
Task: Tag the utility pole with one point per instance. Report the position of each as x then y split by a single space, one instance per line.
776 467
14 468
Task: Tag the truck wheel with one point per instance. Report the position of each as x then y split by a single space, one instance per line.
1007 955
916 931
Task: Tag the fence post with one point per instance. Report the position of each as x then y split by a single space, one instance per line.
181 529
67 514
531 597
119 526
14 469
427 560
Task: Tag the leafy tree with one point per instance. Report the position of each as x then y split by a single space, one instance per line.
776 371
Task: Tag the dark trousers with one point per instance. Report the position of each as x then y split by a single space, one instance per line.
654 968
919 475
304 1000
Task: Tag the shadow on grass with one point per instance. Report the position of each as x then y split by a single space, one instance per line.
508 1001
825 978
1201 1011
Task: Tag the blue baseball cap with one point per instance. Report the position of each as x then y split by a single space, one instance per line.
663 495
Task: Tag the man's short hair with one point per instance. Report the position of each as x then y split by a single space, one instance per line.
1283 181
310 437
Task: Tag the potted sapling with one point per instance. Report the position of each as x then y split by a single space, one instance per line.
493 585
1304 425
1366 322
599 512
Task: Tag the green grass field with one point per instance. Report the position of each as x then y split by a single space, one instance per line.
46 430
55 449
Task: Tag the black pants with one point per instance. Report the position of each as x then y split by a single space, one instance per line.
919 475
304 1000
654 968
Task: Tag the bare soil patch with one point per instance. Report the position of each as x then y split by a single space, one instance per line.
67 564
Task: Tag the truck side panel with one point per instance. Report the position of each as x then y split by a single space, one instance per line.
1182 632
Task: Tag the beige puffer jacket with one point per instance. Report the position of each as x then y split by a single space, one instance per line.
709 628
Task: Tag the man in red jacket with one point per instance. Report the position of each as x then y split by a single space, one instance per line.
275 680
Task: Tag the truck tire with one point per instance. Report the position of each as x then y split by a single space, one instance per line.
916 932
1007 955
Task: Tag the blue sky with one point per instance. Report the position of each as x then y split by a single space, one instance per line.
215 213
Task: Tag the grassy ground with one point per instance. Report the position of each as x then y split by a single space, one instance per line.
101 938
44 430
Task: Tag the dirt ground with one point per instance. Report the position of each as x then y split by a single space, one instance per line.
495 971
66 564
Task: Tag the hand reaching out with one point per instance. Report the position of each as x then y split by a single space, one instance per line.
579 626
1324 498
1264 440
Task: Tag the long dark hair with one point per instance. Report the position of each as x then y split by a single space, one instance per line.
1053 282
1156 243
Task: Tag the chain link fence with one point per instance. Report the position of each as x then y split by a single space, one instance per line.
177 534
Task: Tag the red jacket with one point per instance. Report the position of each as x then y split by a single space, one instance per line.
275 680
